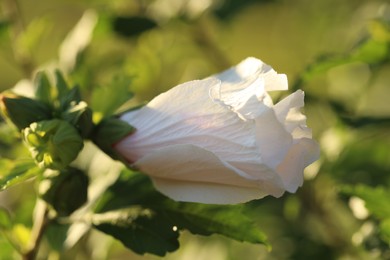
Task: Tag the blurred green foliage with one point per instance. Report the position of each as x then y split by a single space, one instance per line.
338 52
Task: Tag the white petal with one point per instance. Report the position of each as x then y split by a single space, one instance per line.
243 87
288 112
221 140
210 193
272 138
192 164
249 70
270 182
300 155
186 115
248 101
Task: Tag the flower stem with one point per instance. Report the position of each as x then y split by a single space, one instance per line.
41 221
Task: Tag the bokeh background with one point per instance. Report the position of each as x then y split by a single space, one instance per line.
338 52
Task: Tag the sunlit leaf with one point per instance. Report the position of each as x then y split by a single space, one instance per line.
31 37
376 199
380 29
7 251
5 219
61 84
373 50
21 234
43 88
106 100
8 135
15 172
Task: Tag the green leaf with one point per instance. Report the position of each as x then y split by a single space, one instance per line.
7 250
5 219
65 190
376 199
141 230
106 100
225 220
8 135
31 37
4 27
56 235
385 230
70 98
61 85
130 26
373 50
136 190
12 173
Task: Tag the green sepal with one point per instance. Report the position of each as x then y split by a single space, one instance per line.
65 190
80 116
23 111
43 91
70 98
109 132
53 143
61 85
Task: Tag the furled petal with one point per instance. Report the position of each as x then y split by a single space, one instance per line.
210 193
249 70
221 139
243 87
187 115
272 138
300 155
248 103
197 167
288 112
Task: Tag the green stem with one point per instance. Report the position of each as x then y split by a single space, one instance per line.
40 224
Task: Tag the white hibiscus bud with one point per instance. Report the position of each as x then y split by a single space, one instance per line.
221 140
